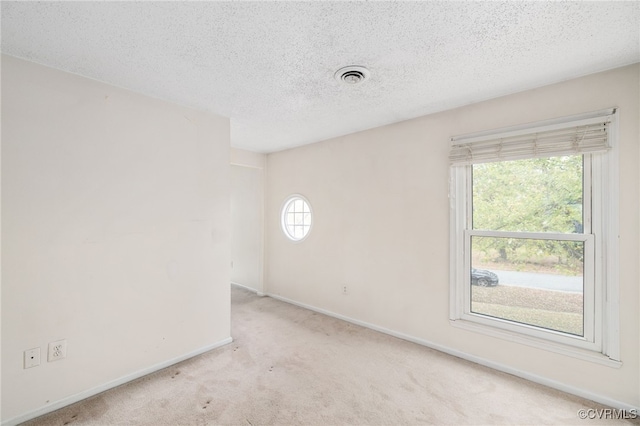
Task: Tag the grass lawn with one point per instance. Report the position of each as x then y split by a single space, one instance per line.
555 310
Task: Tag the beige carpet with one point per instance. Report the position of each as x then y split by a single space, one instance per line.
291 366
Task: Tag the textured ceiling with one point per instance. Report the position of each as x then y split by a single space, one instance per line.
269 65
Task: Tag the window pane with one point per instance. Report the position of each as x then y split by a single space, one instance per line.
296 218
529 281
534 195
289 218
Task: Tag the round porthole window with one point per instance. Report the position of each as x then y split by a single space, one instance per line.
296 218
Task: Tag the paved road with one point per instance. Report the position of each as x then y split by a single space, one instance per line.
546 281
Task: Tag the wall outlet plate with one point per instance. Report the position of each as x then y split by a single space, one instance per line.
31 357
57 350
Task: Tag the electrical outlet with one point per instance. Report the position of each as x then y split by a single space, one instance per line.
344 289
32 358
57 350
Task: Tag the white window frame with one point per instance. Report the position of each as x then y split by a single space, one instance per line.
600 342
283 221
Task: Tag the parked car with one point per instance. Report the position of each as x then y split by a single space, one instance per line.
483 278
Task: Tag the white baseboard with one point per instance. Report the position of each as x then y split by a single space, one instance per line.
109 385
251 289
478 360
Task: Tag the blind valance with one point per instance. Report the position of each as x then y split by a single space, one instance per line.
570 137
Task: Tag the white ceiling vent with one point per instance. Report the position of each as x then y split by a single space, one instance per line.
352 74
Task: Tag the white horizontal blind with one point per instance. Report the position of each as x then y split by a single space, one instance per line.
578 136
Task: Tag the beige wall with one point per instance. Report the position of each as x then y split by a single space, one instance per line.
115 220
247 219
381 228
241 157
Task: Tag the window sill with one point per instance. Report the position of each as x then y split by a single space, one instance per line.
510 336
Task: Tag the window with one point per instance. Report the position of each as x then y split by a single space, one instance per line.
533 226
296 218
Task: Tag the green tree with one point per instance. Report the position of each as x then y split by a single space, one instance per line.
533 195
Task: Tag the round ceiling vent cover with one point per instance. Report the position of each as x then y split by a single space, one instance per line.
352 74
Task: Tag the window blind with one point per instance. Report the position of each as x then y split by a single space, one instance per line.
577 136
